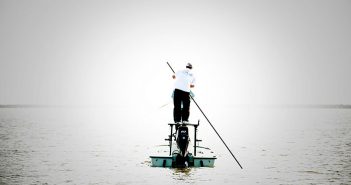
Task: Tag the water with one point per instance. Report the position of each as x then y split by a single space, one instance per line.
112 146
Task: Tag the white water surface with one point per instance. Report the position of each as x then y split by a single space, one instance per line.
112 146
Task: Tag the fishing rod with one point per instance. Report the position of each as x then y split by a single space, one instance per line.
210 124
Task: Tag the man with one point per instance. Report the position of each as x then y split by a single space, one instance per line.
184 81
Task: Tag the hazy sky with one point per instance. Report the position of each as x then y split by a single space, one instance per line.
115 52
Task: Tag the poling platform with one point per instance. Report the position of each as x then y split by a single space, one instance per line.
178 155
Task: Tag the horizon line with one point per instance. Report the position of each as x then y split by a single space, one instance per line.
333 106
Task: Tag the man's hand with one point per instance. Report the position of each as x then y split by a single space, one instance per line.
192 86
173 76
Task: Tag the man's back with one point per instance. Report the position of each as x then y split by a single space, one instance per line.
184 79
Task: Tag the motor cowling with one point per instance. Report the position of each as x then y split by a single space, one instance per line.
183 140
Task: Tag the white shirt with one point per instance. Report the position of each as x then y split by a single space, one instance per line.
184 79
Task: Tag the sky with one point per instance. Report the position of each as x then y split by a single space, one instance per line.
87 52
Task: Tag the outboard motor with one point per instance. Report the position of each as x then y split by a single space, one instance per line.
183 140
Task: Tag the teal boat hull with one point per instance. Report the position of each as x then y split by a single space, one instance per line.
191 161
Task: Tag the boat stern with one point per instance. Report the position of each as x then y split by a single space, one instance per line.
161 161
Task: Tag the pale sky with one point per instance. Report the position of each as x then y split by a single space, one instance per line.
70 52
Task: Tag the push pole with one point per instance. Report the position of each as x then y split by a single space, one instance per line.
211 125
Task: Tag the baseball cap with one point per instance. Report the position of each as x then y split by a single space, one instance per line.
188 65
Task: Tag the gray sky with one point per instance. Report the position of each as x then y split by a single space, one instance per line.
114 52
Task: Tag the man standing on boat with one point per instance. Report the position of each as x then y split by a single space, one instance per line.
181 97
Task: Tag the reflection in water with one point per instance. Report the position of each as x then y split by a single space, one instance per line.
182 171
182 174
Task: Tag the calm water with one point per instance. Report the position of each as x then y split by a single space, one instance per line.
112 146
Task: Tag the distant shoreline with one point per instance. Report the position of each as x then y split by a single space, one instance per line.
311 106
40 106
27 106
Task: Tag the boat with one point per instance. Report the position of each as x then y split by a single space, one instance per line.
179 156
